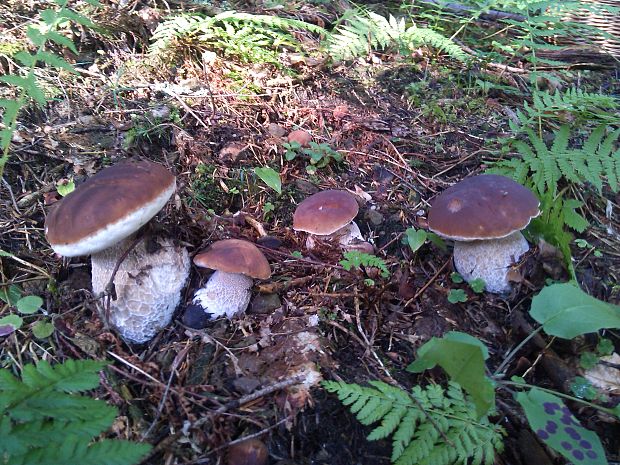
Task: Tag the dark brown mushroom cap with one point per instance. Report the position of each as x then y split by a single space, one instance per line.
235 256
248 452
108 207
325 212
487 206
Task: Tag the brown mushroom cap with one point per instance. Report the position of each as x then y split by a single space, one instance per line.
235 256
487 206
325 212
300 136
108 207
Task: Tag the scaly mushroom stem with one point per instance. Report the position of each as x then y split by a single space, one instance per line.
225 294
148 286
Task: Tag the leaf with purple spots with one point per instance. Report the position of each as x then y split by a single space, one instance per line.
10 324
554 424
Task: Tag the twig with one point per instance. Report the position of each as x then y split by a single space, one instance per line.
168 441
177 360
108 290
138 369
430 281
8 188
250 436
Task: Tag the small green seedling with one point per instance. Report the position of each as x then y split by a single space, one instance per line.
457 295
268 208
320 155
65 187
415 238
584 244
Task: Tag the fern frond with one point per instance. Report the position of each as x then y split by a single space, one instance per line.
416 36
244 29
73 451
365 31
546 166
421 421
355 259
44 421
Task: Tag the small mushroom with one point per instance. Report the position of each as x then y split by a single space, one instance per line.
228 290
483 214
99 218
303 138
249 452
329 214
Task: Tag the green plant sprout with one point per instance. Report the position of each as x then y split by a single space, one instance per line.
456 296
584 244
355 259
320 155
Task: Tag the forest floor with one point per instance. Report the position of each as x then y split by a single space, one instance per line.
406 130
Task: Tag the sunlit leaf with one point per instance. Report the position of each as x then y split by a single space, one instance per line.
270 177
462 357
566 311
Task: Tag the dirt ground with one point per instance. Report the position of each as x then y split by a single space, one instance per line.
398 153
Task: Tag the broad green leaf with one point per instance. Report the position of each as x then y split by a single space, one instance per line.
437 241
559 429
462 358
477 285
29 304
566 311
270 177
9 324
10 294
42 329
415 239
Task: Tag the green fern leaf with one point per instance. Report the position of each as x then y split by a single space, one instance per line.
365 31
572 219
421 421
43 420
71 451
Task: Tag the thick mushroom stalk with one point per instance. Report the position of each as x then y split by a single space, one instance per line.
490 260
225 294
147 286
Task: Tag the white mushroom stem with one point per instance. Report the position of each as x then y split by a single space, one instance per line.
489 260
147 286
225 294
346 236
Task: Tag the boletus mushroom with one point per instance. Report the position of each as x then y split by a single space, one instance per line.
484 215
99 218
329 214
228 290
